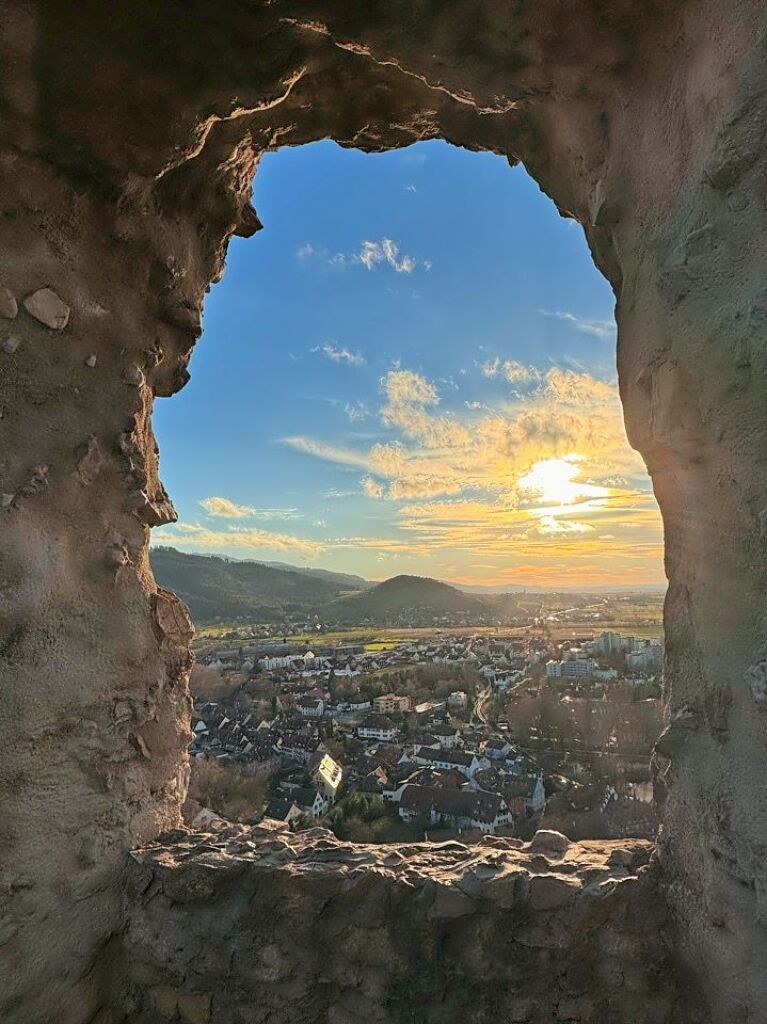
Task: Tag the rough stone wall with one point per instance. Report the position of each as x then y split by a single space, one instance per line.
131 132
259 925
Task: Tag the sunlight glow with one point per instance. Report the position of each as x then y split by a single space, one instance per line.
401 433
553 481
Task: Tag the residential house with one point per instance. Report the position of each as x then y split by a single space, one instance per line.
447 736
310 801
377 727
425 777
282 810
298 746
383 755
374 782
498 749
359 703
456 808
530 788
308 708
467 762
389 702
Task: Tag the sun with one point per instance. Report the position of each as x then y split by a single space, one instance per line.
553 480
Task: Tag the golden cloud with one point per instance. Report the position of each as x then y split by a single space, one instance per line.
223 507
192 535
543 476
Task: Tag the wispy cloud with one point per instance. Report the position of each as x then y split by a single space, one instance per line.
223 508
512 371
372 253
335 494
598 328
356 411
327 452
385 251
340 355
200 537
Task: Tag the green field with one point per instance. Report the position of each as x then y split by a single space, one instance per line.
646 622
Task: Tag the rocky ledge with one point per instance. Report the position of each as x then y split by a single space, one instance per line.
257 925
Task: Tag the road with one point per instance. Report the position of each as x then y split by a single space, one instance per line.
479 707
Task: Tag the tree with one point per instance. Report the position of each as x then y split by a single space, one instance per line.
227 790
205 681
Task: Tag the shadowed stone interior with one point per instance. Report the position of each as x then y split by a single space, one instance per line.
131 133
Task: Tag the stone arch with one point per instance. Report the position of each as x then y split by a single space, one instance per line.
132 138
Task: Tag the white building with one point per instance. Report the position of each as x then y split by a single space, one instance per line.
273 664
311 802
465 761
359 703
377 727
576 667
448 736
311 708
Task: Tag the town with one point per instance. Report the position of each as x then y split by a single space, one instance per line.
449 734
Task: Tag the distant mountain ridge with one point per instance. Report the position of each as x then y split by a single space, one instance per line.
218 588
352 582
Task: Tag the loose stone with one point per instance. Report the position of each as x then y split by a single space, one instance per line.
45 305
549 841
10 345
6 499
9 307
90 361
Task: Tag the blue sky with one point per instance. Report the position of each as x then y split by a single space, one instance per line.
384 366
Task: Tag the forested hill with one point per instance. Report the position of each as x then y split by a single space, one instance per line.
223 589
416 597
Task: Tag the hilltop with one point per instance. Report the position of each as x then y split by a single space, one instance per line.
417 598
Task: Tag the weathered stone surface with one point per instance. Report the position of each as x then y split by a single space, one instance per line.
550 891
124 180
261 924
46 306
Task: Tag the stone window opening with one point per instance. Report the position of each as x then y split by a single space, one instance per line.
548 877
127 171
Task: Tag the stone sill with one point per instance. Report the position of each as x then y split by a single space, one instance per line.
259 924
